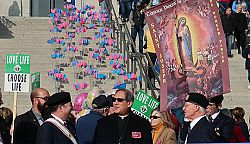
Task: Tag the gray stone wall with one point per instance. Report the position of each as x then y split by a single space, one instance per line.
10 7
40 7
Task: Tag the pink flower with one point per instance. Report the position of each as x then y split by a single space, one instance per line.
158 141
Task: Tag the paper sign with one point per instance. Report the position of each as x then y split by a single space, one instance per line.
35 80
144 104
17 73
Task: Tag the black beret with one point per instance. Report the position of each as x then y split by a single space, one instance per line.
109 97
217 99
198 99
100 102
59 98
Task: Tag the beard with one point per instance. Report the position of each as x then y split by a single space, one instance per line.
40 107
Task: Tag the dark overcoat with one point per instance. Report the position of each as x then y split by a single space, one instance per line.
244 54
107 130
48 133
202 132
25 128
5 133
224 126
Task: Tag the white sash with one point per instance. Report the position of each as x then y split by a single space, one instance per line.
62 128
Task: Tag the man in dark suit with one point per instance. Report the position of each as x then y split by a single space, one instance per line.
55 129
123 126
201 131
223 124
26 125
240 29
228 27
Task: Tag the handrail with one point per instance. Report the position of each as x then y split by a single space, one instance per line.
135 57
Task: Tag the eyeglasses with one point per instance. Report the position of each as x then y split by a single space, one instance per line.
154 117
118 99
44 98
211 104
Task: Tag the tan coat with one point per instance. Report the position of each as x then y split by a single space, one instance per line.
166 136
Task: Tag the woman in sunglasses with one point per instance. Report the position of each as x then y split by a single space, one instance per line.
162 128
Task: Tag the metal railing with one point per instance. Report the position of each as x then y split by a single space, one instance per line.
137 62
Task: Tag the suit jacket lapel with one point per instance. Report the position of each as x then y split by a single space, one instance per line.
217 119
33 118
197 125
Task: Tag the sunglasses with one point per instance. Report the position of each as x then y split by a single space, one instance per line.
154 117
44 98
118 99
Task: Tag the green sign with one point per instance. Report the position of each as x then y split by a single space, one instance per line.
144 104
35 80
17 63
17 73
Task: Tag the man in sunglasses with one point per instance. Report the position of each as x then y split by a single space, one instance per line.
26 125
223 124
123 126
200 130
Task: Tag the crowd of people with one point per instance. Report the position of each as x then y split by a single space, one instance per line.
111 120
235 19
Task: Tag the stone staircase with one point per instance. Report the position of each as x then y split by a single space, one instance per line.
29 36
240 95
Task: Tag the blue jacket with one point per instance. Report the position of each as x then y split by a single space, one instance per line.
85 127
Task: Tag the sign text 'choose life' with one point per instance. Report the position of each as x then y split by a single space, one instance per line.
17 73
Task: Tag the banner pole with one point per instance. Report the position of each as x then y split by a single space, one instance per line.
14 111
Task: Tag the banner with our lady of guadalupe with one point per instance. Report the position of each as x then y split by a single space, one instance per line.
191 49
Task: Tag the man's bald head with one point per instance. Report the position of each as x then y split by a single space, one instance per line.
37 93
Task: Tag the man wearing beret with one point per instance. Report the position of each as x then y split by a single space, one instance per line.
222 123
201 131
123 127
86 125
27 124
55 130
